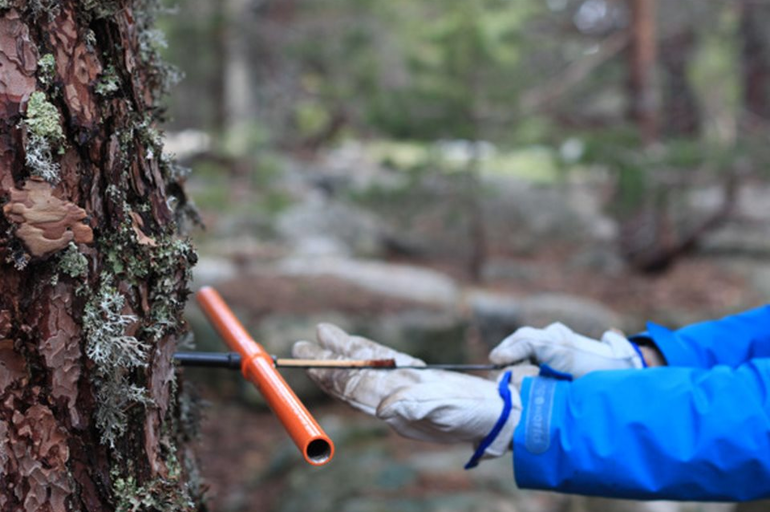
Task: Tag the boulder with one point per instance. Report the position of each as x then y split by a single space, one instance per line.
278 333
495 315
582 315
212 270
434 336
348 230
398 281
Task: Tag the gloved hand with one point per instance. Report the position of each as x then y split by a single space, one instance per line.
429 405
566 351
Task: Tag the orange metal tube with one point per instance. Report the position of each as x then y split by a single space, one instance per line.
257 366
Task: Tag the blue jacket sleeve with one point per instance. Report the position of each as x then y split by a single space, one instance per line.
661 433
731 341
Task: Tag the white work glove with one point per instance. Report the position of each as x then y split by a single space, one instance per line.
566 351
429 405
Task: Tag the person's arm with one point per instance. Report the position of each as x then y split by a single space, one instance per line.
664 433
730 341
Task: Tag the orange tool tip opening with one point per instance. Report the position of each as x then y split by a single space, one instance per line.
318 451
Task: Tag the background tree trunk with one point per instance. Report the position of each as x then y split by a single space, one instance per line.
642 61
681 114
93 277
755 53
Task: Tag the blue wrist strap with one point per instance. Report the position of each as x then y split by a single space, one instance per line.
639 352
505 394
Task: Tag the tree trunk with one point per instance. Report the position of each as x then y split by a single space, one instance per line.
755 58
642 59
680 104
93 276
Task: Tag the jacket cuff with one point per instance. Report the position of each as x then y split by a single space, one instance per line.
536 450
674 349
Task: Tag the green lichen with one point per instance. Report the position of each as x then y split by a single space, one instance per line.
90 39
44 135
43 118
149 135
73 263
100 9
46 69
157 494
5 4
109 82
38 8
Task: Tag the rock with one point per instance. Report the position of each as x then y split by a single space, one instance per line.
278 333
210 270
345 228
434 336
496 270
598 258
509 211
397 281
495 315
738 239
320 246
351 166
582 315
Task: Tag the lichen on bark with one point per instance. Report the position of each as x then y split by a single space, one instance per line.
96 269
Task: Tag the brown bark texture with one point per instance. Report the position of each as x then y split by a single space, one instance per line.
642 63
93 272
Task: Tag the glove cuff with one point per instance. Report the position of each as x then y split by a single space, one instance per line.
505 394
639 353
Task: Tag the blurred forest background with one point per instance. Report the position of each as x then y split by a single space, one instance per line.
437 173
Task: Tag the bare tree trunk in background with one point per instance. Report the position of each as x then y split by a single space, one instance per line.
93 277
681 114
642 60
477 229
219 86
755 52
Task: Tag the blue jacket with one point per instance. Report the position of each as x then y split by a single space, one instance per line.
698 429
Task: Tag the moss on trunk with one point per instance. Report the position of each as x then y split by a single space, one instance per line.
93 268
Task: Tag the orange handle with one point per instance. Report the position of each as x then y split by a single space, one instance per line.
257 366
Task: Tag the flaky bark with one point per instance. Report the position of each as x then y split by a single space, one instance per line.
92 274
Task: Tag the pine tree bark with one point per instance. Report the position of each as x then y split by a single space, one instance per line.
93 274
